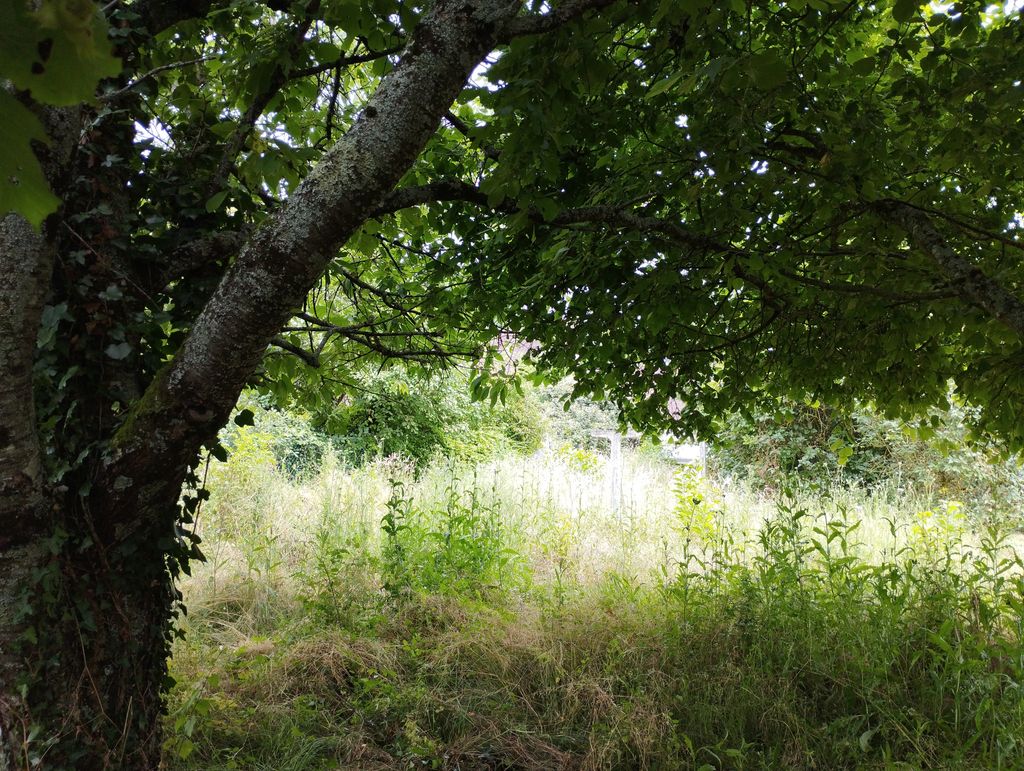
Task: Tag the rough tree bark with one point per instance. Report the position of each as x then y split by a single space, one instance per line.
24 262
95 692
26 503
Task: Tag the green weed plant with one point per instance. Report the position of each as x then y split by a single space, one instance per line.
496 616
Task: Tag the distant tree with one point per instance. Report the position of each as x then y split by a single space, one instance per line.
716 203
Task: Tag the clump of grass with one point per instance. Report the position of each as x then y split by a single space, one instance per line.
504 616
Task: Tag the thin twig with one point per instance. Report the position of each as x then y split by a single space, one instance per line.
152 73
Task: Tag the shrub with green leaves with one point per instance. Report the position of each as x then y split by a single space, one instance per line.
461 548
817 444
423 418
573 421
294 444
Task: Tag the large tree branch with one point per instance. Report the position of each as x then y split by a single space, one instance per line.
491 152
1001 238
158 15
367 337
623 217
310 358
980 289
847 287
140 79
194 255
457 190
192 397
432 192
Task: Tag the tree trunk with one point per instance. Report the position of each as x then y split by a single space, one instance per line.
84 609
87 567
25 265
95 661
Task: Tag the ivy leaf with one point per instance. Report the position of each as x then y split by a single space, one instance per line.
23 187
218 451
118 350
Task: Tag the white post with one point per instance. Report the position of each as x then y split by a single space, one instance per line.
614 468
616 464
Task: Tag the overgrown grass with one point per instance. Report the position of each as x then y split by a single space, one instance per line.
507 616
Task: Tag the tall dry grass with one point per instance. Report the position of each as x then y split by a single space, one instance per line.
509 615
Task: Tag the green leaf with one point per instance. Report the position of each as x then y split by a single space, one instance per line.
57 53
664 85
905 10
864 66
548 208
768 69
216 200
185 748
118 350
245 418
23 187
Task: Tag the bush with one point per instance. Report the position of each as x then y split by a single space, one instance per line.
572 423
424 418
287 438
824 446
392 419
461 547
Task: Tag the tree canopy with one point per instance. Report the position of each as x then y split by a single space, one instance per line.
719 204
716 203
800 199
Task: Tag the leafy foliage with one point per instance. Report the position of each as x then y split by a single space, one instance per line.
409 419
692 202
420 419
816 445
57 51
